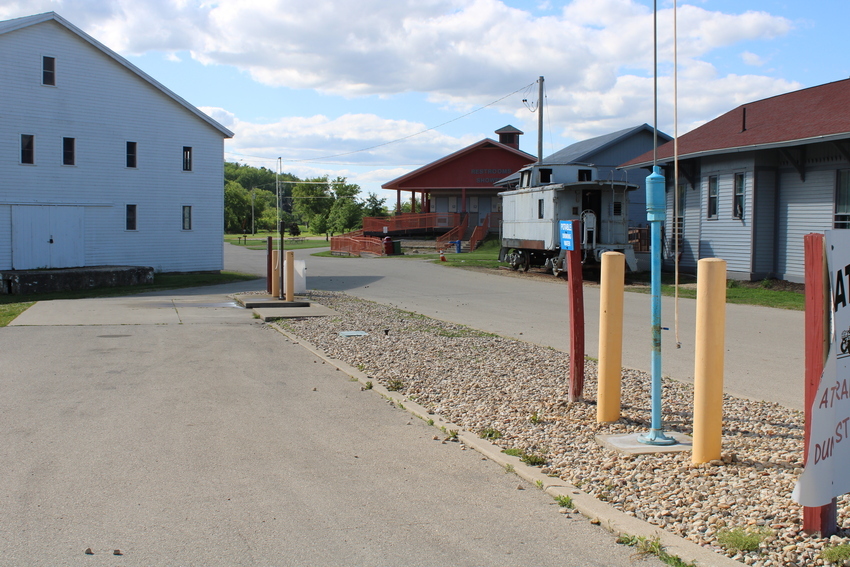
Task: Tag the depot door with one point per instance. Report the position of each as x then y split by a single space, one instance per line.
47 236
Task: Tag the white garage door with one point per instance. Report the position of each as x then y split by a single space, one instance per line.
47 237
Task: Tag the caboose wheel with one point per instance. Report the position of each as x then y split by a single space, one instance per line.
515 259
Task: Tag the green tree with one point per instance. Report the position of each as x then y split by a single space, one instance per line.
374 207
346 214
319 224
311 198
237 208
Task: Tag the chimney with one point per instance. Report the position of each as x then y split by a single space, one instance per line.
509 136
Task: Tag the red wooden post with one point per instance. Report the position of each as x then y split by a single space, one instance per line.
821 519
269 244
576 317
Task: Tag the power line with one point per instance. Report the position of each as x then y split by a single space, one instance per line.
315 160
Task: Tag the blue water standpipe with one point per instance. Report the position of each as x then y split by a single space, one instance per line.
656 213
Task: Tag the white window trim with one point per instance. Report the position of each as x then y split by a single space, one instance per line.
41 70
191 218
62 158
20 151
125 217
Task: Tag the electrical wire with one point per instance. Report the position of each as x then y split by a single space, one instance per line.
677 229
408 136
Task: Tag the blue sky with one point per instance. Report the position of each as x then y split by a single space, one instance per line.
305 81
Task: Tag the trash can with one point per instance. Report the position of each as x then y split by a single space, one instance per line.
388 246
397 247
457 245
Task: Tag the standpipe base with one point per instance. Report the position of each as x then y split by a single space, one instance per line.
656 437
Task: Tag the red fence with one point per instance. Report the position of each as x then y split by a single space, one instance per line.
454 234
355 243
411 221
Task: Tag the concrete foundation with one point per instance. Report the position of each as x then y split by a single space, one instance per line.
23 282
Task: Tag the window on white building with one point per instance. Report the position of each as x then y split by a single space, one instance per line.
187 217
130 217
131 154
187 158
48 71
69 151
27 148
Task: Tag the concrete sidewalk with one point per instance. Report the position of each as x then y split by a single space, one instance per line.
178 429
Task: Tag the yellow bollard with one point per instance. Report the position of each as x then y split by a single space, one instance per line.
289 286
610 336
708 367
275 273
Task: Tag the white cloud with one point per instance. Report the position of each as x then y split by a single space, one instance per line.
752 59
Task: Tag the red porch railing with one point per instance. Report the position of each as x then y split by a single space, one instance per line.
639 239
479 233
411 221
355 243
454 234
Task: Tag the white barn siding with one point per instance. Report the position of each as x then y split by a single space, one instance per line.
5 233
803 207
103 105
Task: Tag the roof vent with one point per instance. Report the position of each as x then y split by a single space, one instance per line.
744 120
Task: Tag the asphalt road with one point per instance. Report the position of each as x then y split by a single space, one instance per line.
177 429
764 357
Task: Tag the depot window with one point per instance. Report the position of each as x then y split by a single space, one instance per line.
712 197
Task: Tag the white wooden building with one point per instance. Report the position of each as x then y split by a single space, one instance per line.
101 164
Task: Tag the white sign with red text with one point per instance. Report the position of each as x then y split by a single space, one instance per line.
827 472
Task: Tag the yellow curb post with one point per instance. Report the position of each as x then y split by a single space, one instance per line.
610 336
289 286
708 360
275 273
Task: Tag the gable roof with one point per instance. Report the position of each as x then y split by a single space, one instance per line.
815 114
483 144
27 21
581 152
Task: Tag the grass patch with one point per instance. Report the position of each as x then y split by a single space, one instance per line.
564 501
512 452
838 554
258 241
746 293
490 433
394 385
533 460
742 539
652 546
9 311
486 256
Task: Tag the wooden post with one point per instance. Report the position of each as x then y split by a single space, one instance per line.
821 519
576 318
610 371
269 248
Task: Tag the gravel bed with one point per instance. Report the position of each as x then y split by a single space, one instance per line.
482 381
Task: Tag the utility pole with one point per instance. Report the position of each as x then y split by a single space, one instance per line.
540 120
